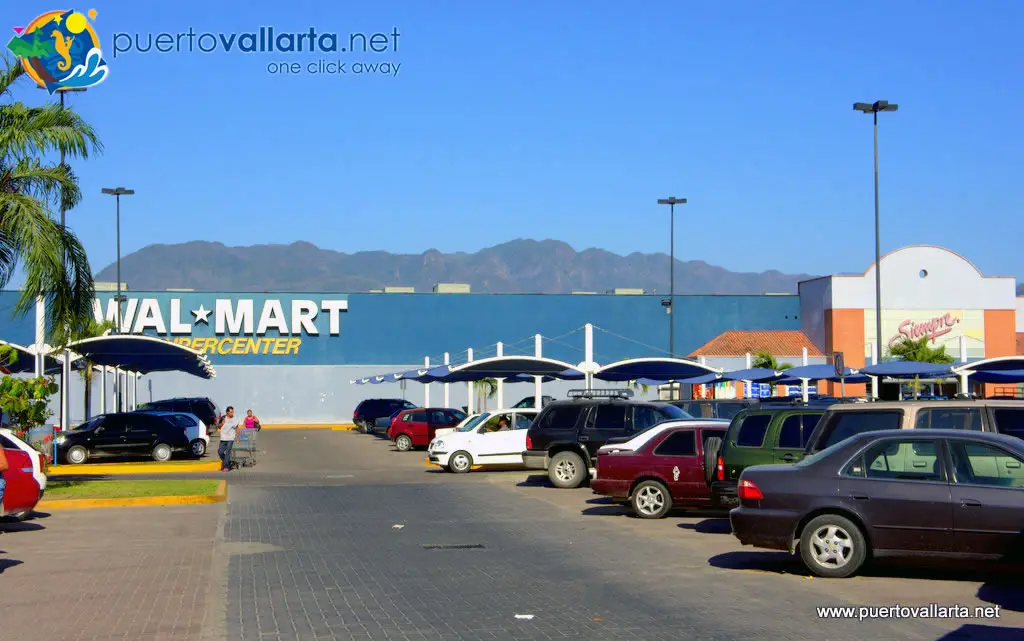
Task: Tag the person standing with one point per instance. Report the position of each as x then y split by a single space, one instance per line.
228 429
251 421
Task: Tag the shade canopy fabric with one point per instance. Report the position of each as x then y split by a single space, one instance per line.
499 367
702 380
793 375
26 361
908 369
655 369
754 375
998 364
998 376
143 354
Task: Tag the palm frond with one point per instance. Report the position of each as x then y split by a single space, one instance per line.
12 70
33 131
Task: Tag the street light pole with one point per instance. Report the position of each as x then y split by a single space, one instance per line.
873 109
117 193
671 202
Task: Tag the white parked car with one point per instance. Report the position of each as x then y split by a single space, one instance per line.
637 441
195 429
496 437
9 440
472 418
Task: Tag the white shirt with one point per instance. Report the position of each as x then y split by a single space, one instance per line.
227 430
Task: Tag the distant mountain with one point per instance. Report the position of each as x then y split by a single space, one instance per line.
518 266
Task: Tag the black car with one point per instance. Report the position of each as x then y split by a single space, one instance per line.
124 434
205 409
891 493
377 412
565 436
715 408
531 401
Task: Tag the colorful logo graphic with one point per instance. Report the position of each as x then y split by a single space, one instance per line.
60 50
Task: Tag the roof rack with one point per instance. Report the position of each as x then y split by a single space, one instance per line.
600 393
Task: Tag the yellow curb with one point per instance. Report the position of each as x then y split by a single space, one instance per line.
301 426
220 496
345 428
427 463
115 469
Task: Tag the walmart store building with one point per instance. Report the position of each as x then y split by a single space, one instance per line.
291 357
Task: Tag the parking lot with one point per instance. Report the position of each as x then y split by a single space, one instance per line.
336 536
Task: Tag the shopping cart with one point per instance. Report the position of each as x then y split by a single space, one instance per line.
243 453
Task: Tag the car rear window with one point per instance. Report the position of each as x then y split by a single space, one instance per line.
752 430
1009 421
949 418
181 420
560 417
730 410
681 443
842 425
610 417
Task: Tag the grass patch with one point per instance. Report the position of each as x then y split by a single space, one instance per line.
57 489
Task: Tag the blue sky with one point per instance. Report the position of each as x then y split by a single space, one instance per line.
567 120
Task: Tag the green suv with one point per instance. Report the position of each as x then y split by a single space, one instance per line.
763 435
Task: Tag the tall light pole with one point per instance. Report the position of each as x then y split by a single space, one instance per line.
873 109
671 202
65 374
117 193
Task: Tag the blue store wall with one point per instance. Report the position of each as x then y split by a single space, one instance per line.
383 329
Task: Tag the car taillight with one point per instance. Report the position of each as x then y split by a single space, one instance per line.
747 491
529 442
721 469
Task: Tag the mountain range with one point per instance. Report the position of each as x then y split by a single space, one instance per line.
517 266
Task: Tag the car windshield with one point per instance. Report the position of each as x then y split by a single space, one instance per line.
821 454
473 422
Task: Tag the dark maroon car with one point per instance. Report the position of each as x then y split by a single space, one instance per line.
660 468
941 493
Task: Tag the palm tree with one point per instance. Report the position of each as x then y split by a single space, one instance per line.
91 328
767 361
485 388
54 261
919 351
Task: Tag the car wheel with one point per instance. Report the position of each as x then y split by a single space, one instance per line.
77 455
832 546
712 448
20 516
403 443
651 500
162 452
567 470
460 462
197 448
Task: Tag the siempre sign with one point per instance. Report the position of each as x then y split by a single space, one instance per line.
932 328
239 327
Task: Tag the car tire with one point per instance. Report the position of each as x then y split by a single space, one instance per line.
76 455
403 442
712 448
20 517
162 452
651 500
197 448
461 462
567 470
833 546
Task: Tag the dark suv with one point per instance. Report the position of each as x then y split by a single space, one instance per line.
203 408
124 434
715 408
377 412
770 433
565 436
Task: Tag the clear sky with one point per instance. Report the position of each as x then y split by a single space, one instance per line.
567 119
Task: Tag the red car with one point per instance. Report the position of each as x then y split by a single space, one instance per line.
659 468
25 476
416 427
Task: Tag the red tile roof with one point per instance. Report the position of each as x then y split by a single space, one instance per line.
1020 343
778 343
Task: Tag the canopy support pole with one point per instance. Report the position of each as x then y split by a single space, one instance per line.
426 386
875 380
446 393
588 356
135 391
469 386
40 335
804 388
65 392
103 389
501 381
538 392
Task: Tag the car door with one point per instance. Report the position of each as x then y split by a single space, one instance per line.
899 488
501 446
988 499
141 434
22 489
676 461
110 437
606 420
791 437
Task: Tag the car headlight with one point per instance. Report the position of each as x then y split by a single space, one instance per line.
438 444
60 439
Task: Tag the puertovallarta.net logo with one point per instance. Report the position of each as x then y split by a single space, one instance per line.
60 50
